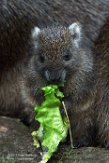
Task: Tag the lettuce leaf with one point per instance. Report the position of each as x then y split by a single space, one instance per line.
53 126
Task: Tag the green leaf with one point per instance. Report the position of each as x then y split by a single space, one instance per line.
53 126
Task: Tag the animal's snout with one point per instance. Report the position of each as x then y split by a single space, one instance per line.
55 75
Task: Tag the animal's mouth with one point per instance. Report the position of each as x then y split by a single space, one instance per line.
55 76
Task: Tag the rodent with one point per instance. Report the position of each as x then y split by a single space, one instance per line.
59 54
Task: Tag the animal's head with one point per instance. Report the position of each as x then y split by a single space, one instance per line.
57 51
58 54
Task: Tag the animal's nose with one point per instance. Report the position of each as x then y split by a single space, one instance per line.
55 75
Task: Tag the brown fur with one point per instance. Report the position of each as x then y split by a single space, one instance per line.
102 86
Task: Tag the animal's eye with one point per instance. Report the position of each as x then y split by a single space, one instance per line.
67 57
41 59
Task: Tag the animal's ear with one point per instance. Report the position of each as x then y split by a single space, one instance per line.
35 34
75 30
